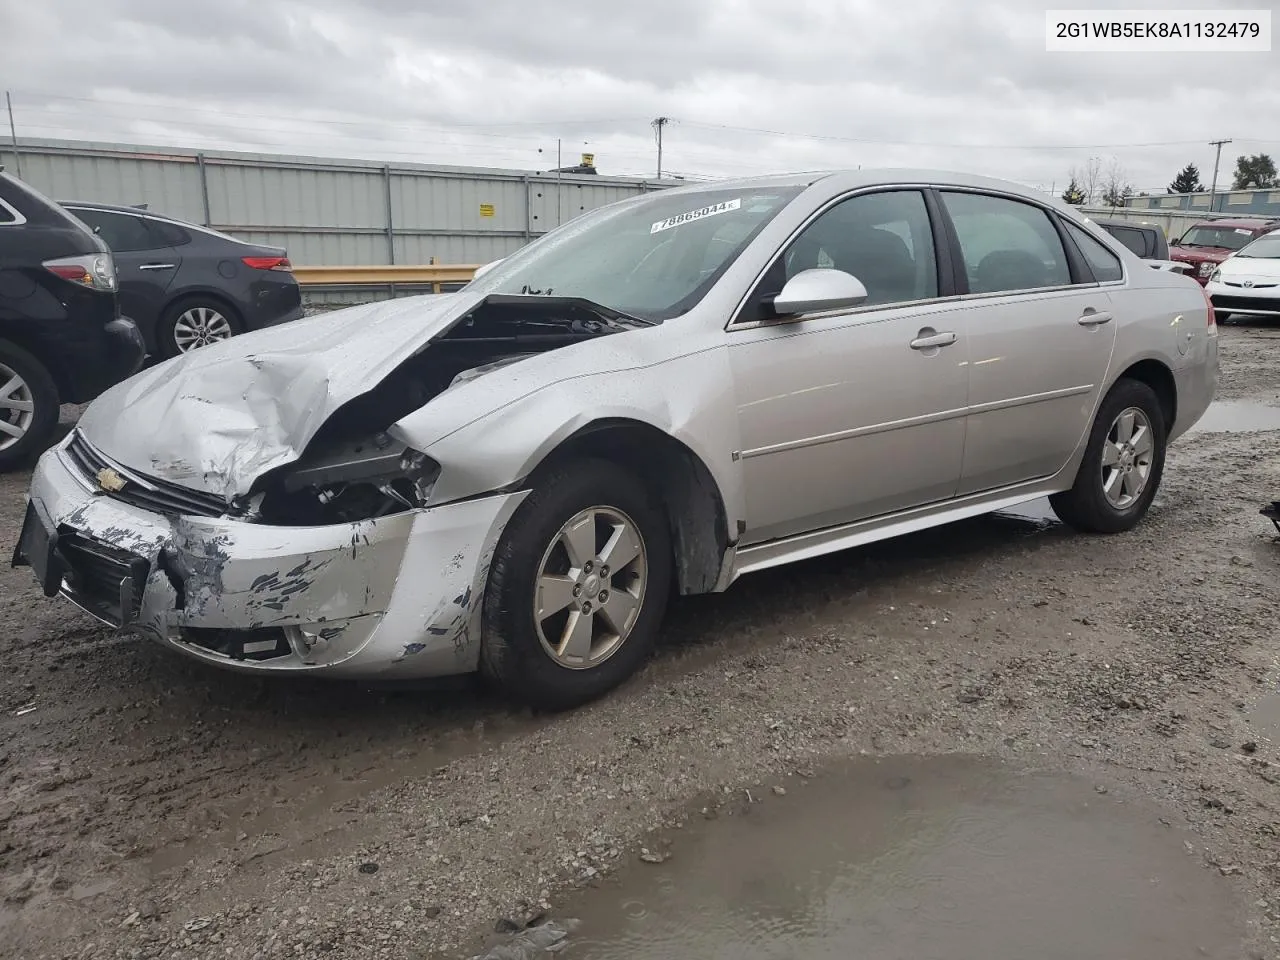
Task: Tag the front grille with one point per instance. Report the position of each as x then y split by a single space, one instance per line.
1269 305
106 581
1256 286
157 496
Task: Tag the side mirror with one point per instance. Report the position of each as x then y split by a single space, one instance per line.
819 289
482 270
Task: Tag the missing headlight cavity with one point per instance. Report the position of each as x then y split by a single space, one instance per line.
352 470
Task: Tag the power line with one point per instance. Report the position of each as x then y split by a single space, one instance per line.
947 145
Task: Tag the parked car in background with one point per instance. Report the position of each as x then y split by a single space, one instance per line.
664 394
1147 240
1207 244
61 337
187 286
1248 283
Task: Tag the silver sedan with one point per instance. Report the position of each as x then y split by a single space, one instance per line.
661 396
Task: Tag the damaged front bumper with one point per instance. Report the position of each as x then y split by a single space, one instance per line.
394 596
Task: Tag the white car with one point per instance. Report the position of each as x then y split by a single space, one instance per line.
661 396
1248 282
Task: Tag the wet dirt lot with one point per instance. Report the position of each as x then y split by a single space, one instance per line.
1125 689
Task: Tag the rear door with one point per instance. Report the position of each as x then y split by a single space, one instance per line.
145 261
1040 338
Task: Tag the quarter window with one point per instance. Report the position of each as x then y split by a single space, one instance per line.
1104 264
120 231
1006 244
883 239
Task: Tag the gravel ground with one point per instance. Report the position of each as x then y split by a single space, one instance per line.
150 807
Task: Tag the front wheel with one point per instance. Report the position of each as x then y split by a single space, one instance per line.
1122 464
577 587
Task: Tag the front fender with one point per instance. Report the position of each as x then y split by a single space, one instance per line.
689 398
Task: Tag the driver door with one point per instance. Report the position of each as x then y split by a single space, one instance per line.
852 414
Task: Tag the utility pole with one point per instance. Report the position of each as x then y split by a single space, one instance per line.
658 124
13 135
1213 187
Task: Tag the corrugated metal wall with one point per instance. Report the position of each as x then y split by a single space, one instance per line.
327 212
1235 203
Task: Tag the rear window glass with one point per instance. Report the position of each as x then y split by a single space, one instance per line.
1135 240
7 213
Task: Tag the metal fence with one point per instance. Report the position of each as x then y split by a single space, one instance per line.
1174 222
327 212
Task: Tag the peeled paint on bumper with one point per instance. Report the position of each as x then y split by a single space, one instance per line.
421 574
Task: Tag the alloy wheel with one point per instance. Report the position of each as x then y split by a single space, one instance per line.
1127 457
17 407
199 327
590 587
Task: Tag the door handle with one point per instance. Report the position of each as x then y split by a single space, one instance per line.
934 340
1094 319
157 266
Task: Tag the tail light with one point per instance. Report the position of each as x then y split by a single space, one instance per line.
268 263
1208 302
95 270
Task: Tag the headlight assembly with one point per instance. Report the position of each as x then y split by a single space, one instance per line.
360 480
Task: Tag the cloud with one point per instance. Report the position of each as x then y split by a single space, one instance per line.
960 86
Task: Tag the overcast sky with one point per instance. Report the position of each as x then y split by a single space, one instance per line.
957 84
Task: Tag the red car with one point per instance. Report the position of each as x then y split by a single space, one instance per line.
1208 243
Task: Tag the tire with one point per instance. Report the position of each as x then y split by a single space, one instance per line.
1087 506
516 652
1221 316
190 314
24 382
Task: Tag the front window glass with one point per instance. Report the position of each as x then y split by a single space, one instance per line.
1228 238
1264 248
653 258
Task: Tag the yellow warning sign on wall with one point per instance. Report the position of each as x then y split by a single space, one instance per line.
486 210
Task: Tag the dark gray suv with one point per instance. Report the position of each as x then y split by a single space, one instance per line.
62 339
187 286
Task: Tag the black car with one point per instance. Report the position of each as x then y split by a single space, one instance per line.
187 286
1145 239
62 339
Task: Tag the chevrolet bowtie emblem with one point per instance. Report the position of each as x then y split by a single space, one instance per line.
109 481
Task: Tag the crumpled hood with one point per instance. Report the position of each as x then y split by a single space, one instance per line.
217 418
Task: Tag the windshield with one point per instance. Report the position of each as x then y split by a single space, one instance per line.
1232 238
653 258
1264 248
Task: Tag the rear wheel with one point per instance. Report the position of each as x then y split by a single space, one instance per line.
1122 465
28 406
577 588
195 322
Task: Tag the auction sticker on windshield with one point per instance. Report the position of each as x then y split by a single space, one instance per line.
701 213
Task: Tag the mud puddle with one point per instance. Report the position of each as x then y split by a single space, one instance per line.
1265 717
1237 416
949 857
